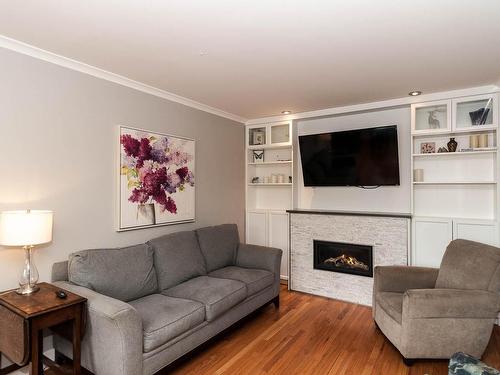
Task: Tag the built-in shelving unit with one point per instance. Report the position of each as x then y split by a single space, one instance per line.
269 180
456 193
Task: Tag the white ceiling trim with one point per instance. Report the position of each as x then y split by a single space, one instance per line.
27 49
406 101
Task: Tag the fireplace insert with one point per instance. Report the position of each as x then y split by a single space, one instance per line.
343 257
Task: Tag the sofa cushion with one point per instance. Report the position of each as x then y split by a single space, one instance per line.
469 265
164 318
177 258
218 295
255 279
124 273
218 245
392 304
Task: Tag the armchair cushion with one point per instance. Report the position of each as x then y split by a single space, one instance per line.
450 303
470 265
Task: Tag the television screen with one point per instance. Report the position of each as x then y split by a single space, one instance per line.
362 157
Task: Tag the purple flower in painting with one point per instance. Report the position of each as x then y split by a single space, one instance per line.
155 170
130 145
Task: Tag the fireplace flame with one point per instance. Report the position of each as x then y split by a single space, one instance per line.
347 260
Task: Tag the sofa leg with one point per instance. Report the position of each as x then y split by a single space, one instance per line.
408 361
276 301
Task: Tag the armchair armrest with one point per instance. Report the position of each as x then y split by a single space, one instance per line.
113 340
450 303
401 278
261 257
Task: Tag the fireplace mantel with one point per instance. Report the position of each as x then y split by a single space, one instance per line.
311 211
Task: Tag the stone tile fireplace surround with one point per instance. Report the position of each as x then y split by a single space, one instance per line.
386 233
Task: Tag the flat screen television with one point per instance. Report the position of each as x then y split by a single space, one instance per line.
362 157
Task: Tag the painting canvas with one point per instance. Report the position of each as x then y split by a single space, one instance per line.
156 179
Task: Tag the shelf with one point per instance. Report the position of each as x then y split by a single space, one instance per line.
435 154
267 147
271 184
476 129
455 183
272 162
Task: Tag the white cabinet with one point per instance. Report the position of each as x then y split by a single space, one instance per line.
484 231
269 228
432 235
278 237
257 228
430 238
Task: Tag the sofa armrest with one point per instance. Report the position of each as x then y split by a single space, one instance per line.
261 257
450 303
401 278
113 339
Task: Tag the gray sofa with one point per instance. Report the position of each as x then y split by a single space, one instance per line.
433 313
152 303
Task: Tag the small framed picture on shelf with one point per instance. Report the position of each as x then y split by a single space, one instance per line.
428 147
259 138
258 156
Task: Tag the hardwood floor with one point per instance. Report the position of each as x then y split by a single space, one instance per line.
311 335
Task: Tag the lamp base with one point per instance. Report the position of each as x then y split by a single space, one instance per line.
27 289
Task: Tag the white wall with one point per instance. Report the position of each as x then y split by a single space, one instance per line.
384 198
57 152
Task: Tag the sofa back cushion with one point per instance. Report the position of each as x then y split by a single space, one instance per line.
177 258
470 265
125 273
218 245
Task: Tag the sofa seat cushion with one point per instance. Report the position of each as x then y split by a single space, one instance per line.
164 318
255 279
125 273
392 304
218 295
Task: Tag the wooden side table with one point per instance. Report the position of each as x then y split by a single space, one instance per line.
23 318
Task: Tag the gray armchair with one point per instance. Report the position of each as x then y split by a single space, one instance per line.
433 313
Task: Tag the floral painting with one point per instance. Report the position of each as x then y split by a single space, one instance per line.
157 179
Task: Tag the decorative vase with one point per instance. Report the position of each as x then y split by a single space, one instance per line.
452 145
146 212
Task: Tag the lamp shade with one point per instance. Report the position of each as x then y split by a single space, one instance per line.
25 228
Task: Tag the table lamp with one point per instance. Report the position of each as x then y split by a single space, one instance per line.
26 228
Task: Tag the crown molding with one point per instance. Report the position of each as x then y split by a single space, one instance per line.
373 106
41 54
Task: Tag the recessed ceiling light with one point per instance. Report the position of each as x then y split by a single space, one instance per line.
286 112
415 93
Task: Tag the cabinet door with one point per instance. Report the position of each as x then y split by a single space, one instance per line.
430 238
278 237
476 230
257 228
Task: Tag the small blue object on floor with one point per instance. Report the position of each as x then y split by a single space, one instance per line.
464 364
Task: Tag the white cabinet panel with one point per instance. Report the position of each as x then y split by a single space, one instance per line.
278 237
257 228
430 238
476 230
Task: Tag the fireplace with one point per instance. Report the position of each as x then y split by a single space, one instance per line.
343 257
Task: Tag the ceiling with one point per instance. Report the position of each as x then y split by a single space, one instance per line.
257 58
